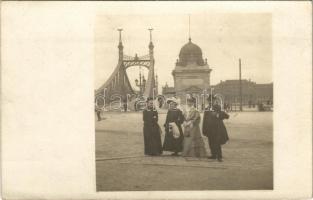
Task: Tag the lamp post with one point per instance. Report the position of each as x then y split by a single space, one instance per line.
203 99
141 83
138 85
197 101
144 81
240 87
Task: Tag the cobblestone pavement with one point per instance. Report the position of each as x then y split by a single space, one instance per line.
248 157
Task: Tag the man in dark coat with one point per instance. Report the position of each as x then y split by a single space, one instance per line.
214 128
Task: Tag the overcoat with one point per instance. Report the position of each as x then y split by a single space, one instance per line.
193 145
171 143
213 126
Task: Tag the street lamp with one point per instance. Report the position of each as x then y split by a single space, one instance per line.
212 89
141 83
144 83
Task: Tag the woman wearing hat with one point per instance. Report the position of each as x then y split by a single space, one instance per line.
151 130
173 140
193 145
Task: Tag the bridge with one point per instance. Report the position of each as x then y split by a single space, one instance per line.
118 84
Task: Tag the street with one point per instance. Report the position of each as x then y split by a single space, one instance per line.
122 166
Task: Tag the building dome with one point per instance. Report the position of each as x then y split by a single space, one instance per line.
190 53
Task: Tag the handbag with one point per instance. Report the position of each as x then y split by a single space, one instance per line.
175 130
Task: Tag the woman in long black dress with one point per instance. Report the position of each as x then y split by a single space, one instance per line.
173 142
151 130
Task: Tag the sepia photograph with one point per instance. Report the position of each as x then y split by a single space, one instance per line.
152 100
184 102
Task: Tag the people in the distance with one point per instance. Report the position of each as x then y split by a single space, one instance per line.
98 112
151 130
173 140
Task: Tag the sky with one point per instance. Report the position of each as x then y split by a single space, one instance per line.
223 38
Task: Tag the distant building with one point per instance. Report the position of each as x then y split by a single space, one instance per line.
191 74
252 93
168 91
264 93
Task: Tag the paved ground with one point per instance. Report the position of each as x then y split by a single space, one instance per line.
248 157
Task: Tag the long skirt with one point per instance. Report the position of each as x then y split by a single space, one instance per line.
152 139
193 145
173 144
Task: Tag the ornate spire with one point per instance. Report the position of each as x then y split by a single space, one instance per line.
120 45
120 38
150 44
189 29
150 29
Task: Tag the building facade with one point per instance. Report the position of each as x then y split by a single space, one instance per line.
264 93
252 93
168 91
192 77
191 73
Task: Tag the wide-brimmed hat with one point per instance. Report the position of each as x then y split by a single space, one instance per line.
171 100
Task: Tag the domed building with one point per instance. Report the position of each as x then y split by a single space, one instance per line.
191 73
190 53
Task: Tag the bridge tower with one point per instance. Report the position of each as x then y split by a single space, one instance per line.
151 78
118 84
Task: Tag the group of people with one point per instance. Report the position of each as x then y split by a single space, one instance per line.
182 130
